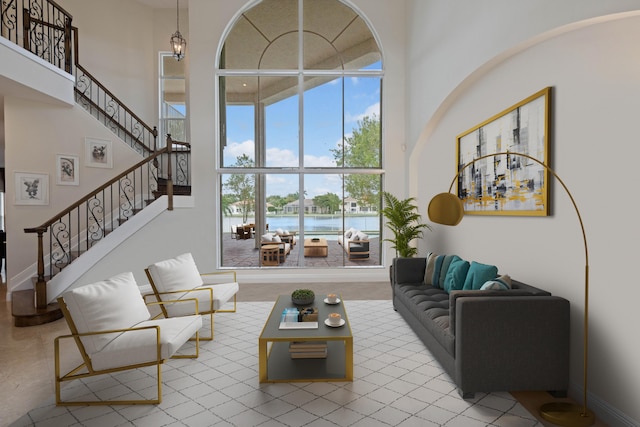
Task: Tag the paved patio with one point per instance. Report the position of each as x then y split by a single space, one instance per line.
244 253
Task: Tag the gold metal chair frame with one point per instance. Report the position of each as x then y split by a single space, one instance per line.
210 310
74 375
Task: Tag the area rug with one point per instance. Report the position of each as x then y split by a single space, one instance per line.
397 383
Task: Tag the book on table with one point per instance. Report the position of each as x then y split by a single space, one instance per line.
308 349
292 318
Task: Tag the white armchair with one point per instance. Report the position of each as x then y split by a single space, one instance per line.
113 331
178 278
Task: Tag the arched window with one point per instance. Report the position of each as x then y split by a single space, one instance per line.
300 84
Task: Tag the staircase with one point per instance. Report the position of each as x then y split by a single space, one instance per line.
47 32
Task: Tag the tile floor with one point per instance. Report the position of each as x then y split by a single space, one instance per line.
397 383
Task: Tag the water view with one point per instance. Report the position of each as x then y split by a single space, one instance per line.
329 226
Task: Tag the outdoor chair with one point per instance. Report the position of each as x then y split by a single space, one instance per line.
271 239
113 330
178 278
242 233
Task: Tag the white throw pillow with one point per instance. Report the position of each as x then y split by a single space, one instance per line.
267 237
362 236
175 274
114 303
279 231
277 239
349 233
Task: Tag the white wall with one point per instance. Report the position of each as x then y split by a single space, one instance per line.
595 74
117 46
35 133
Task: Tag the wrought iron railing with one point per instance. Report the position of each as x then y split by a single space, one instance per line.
40 26
76 229
181 159
104 106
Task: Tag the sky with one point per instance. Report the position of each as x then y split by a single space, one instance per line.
322 131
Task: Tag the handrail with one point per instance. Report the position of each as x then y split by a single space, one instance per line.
87 221
110 108
45 29
109 183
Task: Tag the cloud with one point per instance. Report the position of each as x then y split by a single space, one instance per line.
236 149
319 161
370 111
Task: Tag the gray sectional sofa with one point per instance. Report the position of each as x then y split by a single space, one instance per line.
487 340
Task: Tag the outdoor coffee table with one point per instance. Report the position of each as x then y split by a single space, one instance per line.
274 359
316 247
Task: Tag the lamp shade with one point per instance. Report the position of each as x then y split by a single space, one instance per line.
446 209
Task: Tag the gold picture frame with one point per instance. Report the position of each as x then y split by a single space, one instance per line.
507 184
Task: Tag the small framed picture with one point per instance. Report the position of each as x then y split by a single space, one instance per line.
98 153
31 188
67 170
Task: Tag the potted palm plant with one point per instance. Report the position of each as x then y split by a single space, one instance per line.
404 221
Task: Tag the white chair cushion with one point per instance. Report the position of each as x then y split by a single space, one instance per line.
279 231
114 303
277 239
268 237
222 293
175 274
361 236
140 346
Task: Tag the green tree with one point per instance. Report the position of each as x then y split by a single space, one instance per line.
242 186
362 150
328 203
277 202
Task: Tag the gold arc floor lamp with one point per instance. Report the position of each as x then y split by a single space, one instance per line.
448 209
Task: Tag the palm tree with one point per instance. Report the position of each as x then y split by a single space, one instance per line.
404 222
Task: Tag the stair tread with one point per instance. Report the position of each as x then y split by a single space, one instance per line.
25 313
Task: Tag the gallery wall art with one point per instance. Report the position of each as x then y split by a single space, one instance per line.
31 188
507 184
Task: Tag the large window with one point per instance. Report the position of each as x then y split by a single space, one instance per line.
300 84
173 106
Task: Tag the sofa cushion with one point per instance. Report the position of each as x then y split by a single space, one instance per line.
363 237
267 237
456 274
431 265
499 283
349 233
441 267
114 303
478 274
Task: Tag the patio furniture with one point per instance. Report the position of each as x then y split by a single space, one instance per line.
316 247
270 255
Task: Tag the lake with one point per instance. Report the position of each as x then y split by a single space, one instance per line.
316 224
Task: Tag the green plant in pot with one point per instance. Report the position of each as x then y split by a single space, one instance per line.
303 296
404 221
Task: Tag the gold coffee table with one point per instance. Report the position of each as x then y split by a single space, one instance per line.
316 247
275 362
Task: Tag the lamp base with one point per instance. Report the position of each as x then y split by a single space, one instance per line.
567 414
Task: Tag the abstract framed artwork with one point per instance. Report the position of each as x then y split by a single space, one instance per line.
98 153
507 184
31 188
67 172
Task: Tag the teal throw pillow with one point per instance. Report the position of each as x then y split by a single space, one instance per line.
441 266
478 274
456 274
